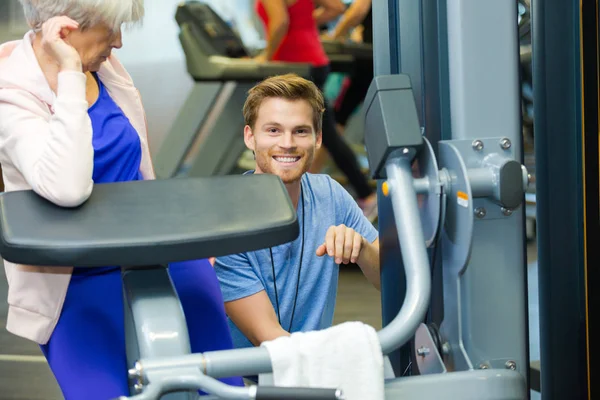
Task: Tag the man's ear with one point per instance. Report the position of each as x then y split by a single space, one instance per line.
249 137
319 139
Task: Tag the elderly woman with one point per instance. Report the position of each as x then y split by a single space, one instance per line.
70 117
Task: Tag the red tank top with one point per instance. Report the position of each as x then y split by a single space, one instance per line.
301 42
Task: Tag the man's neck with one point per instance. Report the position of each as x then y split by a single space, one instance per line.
294 192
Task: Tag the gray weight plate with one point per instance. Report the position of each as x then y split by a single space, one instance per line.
458 224
429 203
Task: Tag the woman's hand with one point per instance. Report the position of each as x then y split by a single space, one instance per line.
54 33
261 58
326 36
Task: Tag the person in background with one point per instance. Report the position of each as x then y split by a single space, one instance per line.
359 13
71 117
292 36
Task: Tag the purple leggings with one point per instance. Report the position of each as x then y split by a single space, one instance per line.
86 352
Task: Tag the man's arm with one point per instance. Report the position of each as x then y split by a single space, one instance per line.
255 317
355 239
246 302
368 261
345 245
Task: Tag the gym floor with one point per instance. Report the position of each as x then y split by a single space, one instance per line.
24 374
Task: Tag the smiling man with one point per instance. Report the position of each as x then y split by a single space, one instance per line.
292 287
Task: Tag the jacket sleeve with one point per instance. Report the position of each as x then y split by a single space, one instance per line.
55 155
146 166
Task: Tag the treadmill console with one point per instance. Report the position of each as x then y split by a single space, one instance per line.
215 52
216 37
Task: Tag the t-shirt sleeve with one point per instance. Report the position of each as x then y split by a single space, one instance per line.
350 213
237 277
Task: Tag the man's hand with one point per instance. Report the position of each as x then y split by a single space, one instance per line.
342 243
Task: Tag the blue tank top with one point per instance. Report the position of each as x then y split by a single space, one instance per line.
117 148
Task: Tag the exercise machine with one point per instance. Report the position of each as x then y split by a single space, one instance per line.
180 219
343 55
565 102
192 218
462 59
206 138
185 219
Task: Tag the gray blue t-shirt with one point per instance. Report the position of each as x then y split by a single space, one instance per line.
326 203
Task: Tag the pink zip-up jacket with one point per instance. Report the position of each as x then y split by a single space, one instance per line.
46 145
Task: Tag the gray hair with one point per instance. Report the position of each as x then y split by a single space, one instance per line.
87 13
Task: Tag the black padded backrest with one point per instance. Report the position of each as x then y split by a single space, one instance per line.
149 222
214 36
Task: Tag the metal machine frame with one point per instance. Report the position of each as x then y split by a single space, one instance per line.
462 59
566 87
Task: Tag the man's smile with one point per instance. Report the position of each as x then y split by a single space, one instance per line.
286 159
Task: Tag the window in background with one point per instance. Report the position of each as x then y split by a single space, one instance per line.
12 22
17 25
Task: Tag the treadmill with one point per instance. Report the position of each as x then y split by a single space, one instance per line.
358 51
207 136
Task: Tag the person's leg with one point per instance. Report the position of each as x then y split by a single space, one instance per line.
321 154
86 352
341 96
355 94
339 150
200 295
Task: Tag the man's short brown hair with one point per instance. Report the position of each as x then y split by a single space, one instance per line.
289 87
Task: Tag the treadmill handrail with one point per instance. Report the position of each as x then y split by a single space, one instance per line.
353 49
204 67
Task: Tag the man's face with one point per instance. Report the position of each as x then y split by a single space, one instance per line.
283 138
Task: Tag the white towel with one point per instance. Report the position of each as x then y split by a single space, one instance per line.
346 356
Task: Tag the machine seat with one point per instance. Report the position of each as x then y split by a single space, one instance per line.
148 222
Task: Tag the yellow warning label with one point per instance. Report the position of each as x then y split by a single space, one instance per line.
385 188
462 199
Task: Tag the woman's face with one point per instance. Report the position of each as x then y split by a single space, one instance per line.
94 44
